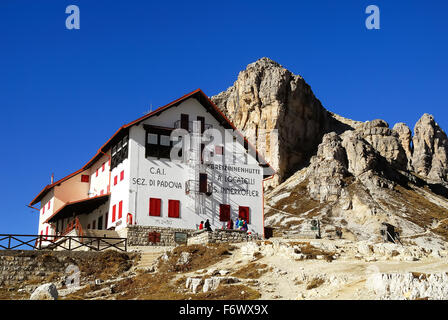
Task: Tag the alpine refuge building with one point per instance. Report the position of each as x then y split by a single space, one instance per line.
179 165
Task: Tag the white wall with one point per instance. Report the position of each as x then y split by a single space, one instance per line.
100 183
143 173
119 192
44 215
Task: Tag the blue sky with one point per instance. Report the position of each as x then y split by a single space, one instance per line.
63 92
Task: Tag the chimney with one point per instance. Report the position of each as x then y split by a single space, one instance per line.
52 178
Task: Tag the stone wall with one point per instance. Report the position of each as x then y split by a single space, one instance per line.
20 266
139 235
17 266
220 236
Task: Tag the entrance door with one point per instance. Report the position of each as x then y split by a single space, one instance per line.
100 223
203 182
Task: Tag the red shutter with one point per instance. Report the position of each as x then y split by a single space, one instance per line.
173 208
49 205
244 213
224 212
43 209
115 180
96 173
121 175
101 192
114 209
120 209
154 207
103 166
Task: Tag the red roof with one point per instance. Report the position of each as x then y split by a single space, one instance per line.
198 93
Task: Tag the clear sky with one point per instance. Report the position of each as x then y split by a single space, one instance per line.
63 92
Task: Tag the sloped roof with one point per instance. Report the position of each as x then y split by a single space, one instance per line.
198 94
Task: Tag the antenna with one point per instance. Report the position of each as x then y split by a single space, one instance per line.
148 111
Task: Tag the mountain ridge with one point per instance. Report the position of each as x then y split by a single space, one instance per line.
337 169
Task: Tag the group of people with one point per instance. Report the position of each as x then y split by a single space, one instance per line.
240 224
206 225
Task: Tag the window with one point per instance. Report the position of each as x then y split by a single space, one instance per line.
158 142
85 178
88 226
100 223
119 152
243 213
202 121
115 180
121 175
219 150
94 224
154 207
165 140
203 182
173 208
224 212
184 121
153 138
120 209
114 209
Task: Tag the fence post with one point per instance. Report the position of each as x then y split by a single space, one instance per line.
98 239
9 242
69 243
126 244
40 242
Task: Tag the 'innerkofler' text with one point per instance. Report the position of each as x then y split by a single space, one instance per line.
241 192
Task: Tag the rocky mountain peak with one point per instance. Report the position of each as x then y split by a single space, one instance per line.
430 156
267 97
348 174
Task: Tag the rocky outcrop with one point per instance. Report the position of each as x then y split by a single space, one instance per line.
331 167
385 141
361 177
46 291
412 286
430 157
405 138
268 97
328 169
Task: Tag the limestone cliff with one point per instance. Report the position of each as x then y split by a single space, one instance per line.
268 97
350 174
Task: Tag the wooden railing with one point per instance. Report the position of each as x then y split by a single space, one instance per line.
74 224
52 242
